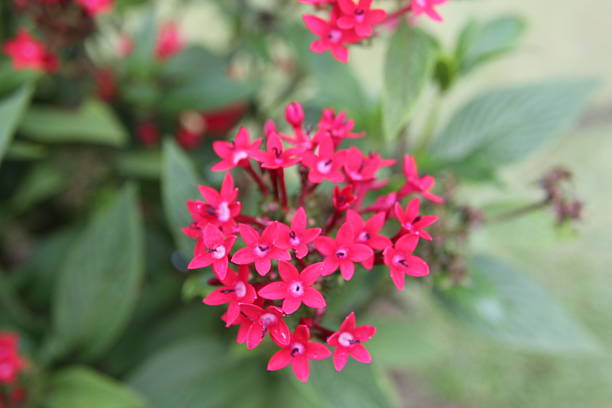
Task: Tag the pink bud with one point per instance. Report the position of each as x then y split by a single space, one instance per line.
294 114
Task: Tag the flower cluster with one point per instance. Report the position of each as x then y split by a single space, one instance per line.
352 21
11 365
28 53
276 265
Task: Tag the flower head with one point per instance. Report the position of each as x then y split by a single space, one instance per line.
276 157
169 41
95 7
348 340
338 127
411 221
10 361
342 252
359 167
401 262
213 248
263 321
28 53
260 249
359 17
325 164
297 236
295 288
420 7
343 198
331 37
218 207
416 184
298 353
236 289
235 153
368 232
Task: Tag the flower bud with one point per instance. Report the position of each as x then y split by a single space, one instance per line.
294 114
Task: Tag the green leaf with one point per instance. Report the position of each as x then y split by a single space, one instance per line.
505 125
408 65
44 181
145 164
179 183
356 386
481 42
99 281
11 111
501 303
78 387
93 122
195 372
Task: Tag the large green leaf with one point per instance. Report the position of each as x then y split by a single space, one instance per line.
93 122
408 65
508 307
179 183
505 125
357 386
99 282
195 373
480 42
78 387
11 111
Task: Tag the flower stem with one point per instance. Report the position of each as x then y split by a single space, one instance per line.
398 13
247 219
260 183
283 188
521 211
332 221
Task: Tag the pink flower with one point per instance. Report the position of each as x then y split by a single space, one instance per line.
367 232
169 41
359 167
235 290
401 263
416 184
10 361
235 153
219 208
359 16
95 7
331 37
349 341
427 7
213 248
125 45
295 288
298 353
294 114
342 252
28 53
411 221
325 164
298 236
260 250
263 321
338 127
343 198
276 157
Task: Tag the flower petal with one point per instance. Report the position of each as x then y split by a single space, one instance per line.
280 359
291 304
249 235
274 291
347 269
301 368
340 358
243 256
288 272
313 298
360 353
217 297
317 351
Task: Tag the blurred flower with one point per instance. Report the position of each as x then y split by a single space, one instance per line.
11 362
106 85
360 16
222 120
28 53
331 37
416 184
420 7
147 133
169 41
95 7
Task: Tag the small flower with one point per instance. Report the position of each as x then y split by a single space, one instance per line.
28 53
342 252
298 353
338 127
10 361
95 7
359 167
401 263
263 321
147 133
325 164
349 341
219 208
331 37
260 250
411 221
298 236
295 288
343 198
235 153
294 114
360 16
427 7
416 184
235 290
169 41
367 232
213 248
276 157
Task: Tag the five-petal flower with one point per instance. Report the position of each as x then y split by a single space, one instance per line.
348 340
236 289
360 16
410 220
235 153
297 236
213 248
263 321
260 250
401 262
342 252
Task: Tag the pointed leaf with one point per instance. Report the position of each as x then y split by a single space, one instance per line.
11 111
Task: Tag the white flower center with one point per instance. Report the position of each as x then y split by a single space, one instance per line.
346 339
297 349
324 166
293 239
335 36
239 155
342 253
296 289
261 250
267 319
240 289
219 252
399 260
223 212
363 237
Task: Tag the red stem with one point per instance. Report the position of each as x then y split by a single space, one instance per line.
260 183
398 13
247 219
283 188
332 221
274 179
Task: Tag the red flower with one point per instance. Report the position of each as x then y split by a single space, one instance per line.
295 288
213 248
349 341
331 37
359 16
401 263
10 361
416 184
28 53
168 42
359 167
263 321
338 127
260 250
222 120
294 114
367 232
411 221
94 7
298 236
325 164
343 198
219 208
342 252
235 290
298 352
427 7
235 153
147 133
276 157
106 85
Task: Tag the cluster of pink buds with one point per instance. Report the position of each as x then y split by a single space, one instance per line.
283 259
11 365
352 21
